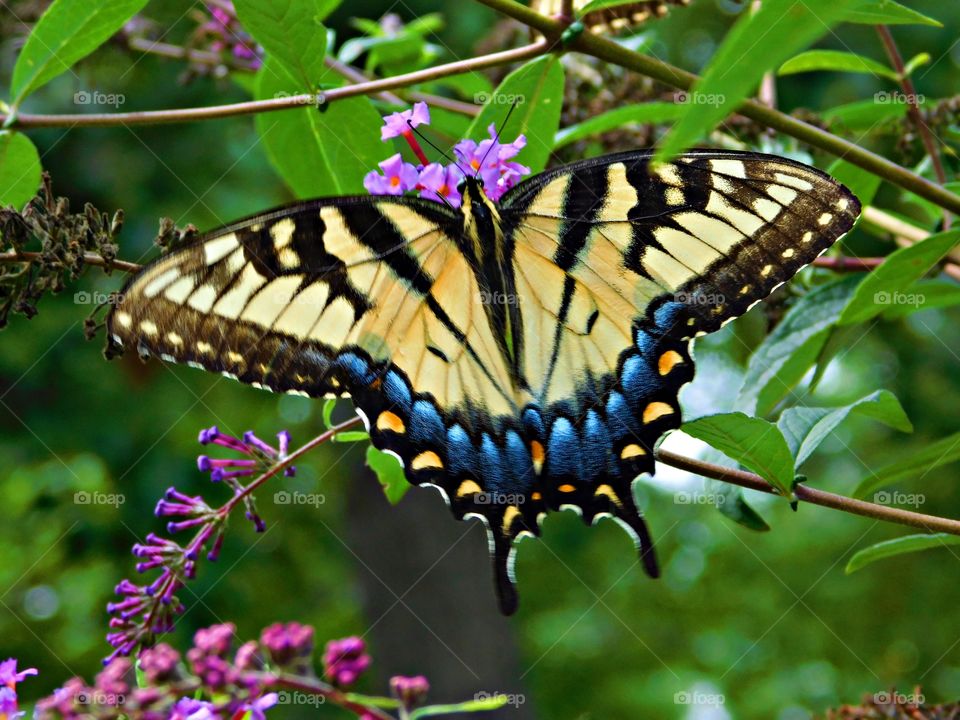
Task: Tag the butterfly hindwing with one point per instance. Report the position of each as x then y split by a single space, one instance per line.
522 370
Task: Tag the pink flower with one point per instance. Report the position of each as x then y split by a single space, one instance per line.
398 177
490 160
399 123
437 181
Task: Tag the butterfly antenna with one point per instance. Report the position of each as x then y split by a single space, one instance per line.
496 137
443 154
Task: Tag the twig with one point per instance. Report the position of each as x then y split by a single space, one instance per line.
843 263
12 256
177 52
807 494
157 117
316 687
913 107
612 52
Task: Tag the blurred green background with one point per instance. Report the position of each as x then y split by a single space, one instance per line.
767 620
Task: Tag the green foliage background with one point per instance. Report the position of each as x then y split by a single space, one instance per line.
769 620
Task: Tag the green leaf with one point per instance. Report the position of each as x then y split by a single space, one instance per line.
389 472
804 428
602 5
20 172
887 12
735 506
917 61
914 466
758 42
652 112
794 345
862 183
753 442
318 152
67 32
886 285
537 88
925 295
348 436
835 60
291 34
328 406
867 114
900 546
494 702
325 7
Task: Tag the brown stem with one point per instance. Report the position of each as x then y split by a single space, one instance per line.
807 494
286 462
842 263
177 52
322 689
913 107
370 87
12 256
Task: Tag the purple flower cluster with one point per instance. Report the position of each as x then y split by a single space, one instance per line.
147 610
489 160
345 660
212 686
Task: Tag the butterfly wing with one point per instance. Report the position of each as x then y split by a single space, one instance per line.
618 265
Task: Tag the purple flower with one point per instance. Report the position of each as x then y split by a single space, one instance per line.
112 680
216 639
9 675
190 709
438 181
287 642
399 123
345 660
248 656
256 707
409 690
491 161
8 704
398 177
159 663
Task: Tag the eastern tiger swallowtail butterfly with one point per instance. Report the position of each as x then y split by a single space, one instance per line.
523 357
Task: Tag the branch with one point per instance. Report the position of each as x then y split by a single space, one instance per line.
930 523
370 87
842 263
12 256
322 689
913 107
604 49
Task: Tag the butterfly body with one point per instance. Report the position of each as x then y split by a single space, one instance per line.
523 357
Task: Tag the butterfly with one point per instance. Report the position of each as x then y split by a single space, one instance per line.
523 356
